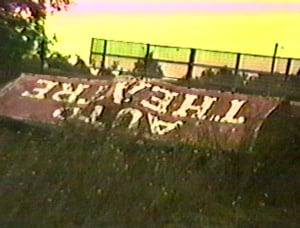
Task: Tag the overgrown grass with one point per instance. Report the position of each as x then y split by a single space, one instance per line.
77 176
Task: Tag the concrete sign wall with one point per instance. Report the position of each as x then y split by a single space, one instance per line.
148 107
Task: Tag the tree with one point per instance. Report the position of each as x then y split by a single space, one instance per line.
22 29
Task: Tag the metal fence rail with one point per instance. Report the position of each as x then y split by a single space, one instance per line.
214 69
177 62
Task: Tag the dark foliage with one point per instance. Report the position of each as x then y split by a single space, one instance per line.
22 30
77 176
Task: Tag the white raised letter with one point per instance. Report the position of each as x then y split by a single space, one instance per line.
235 107
138 87
99 93
58 113
69 94
41 92
161 127
97 112
119 91
200 110
157 104
66 113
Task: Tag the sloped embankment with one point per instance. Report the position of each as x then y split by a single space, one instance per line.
149 108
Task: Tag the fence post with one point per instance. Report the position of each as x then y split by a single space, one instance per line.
274 58
237 63
91 52
104 54
288 67
191 64
146 58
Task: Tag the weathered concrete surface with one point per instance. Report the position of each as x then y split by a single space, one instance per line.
151 108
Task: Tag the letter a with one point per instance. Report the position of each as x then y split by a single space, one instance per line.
161 127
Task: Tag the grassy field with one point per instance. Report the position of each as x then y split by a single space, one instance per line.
77 176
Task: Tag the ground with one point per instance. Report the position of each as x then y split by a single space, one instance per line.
77 176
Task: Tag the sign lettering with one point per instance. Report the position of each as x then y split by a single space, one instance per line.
157 104
168 110
161 127
200 110
40 92
235 107
70 94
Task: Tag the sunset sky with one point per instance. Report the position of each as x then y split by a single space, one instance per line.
239 26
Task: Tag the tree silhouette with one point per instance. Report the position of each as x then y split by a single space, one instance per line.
22 30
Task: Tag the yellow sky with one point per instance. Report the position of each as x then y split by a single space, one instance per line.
238 26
